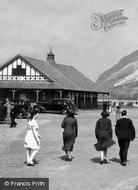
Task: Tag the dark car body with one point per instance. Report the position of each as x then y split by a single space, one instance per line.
58 105
3 110
22 107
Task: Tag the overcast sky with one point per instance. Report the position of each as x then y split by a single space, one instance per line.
30 27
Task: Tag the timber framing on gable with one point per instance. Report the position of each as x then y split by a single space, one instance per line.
18 69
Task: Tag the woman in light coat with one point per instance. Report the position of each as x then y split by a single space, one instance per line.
32 138
9 107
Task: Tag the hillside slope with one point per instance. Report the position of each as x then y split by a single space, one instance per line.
122 79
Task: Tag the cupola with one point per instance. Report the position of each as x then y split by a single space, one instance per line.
51 56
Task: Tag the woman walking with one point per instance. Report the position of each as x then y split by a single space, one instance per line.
103 133
70 126
32 138
118 113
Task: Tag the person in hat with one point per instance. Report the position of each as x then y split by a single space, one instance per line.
70 126
103 133
118 113
13 114
105 106
125 132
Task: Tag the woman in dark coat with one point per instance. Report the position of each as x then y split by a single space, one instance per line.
70 126
103 133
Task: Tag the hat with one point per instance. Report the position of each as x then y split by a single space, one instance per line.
105 114
124 112
71 112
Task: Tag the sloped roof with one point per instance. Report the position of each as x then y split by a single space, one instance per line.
77 78
64 77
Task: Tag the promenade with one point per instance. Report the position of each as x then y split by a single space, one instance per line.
84 172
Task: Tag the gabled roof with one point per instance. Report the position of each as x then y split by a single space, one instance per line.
66 76
63 77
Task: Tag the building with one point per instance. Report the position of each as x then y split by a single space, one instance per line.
38 80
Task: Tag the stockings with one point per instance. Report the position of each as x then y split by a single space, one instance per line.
31 154
103 154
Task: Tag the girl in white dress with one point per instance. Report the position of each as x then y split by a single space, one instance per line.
32 138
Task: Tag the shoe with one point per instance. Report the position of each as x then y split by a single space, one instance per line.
70 159
124 164
102 162
105 161
67 158
30 164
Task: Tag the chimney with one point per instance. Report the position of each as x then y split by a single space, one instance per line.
51 56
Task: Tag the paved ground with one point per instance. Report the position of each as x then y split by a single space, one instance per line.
84 172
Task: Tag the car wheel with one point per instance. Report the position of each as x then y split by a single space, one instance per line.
36 108
22 113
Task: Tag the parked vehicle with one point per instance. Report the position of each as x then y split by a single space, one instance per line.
58 105
3 110
24 106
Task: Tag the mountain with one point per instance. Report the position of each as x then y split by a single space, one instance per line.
122 79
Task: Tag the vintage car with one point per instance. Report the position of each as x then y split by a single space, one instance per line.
58 105
22 107
3 110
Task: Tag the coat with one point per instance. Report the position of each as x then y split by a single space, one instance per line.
103 128
70 126
32 138
13 112
9 107
124 129
103 133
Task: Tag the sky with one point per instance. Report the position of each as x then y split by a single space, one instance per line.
31 27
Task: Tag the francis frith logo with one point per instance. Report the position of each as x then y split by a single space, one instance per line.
107 21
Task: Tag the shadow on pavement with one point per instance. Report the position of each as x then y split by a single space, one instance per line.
96 160
34 161
65 158
115 160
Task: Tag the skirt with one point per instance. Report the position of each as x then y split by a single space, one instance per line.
103 144
68 142
30 141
